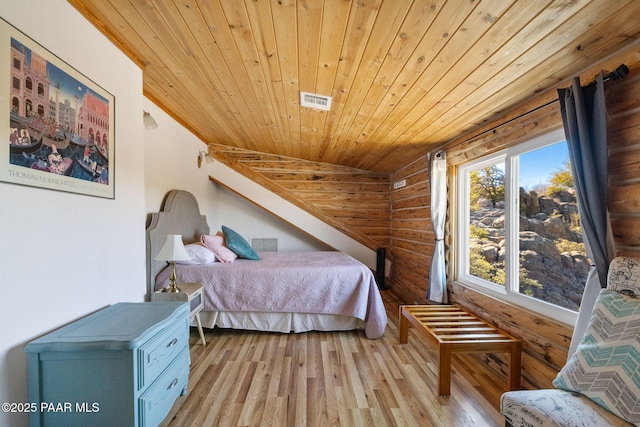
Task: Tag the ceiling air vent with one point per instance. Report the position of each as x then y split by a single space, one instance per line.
312 100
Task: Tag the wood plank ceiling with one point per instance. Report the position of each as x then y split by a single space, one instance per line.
405 76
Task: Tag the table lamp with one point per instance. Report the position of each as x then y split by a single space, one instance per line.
172 251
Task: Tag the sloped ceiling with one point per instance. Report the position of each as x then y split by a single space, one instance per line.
404 76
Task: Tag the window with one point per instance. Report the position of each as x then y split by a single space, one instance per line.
518 230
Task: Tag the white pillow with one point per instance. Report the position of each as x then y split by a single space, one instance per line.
199 255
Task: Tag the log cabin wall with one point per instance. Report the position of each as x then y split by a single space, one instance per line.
412 238
623 106
545 342
353 200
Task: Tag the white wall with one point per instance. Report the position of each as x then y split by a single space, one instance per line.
170 163
66 255
252 222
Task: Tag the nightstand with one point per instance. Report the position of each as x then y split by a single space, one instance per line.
190 292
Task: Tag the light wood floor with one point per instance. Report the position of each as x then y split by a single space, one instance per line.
323 379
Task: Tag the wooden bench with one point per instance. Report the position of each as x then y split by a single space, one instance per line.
455 330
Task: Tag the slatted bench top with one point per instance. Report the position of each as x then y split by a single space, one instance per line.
455 330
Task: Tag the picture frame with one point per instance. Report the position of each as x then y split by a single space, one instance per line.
57 124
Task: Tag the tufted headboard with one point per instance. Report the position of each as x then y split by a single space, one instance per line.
179 214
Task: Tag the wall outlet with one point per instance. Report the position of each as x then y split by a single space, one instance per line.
399 184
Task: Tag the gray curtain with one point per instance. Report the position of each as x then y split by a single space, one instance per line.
585 126
438 276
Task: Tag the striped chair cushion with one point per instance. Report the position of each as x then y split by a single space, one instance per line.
606 365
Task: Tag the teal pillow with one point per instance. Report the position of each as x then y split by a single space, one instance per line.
238 245
605 365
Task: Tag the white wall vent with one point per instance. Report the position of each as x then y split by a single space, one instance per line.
312 100
269 244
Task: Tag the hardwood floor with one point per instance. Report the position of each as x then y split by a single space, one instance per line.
245 378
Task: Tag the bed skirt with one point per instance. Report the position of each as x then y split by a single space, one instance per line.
278 322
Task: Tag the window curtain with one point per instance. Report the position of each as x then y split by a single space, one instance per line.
584 119
437 276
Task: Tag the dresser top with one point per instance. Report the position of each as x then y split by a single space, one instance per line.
117 327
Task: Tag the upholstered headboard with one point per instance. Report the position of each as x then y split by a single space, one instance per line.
179 214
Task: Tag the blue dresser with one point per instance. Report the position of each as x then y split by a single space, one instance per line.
121 366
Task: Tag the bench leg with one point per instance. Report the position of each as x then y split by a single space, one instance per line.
444 370
404 328
515 366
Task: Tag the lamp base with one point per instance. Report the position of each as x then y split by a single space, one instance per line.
171 288
172 280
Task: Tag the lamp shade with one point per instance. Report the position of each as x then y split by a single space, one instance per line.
173 249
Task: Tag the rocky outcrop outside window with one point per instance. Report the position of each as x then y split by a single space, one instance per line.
553 262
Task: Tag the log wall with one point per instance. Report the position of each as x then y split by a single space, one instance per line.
354 201
412 238
545 342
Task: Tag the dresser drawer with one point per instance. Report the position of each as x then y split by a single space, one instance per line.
161 350
156 402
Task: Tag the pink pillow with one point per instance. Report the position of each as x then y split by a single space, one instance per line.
216 245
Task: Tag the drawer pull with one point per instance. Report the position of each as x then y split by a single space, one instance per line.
173 342
173 384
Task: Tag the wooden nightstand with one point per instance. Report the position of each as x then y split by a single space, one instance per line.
190 292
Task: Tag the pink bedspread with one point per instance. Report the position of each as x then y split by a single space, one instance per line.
293 282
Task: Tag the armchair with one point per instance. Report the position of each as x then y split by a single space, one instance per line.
600 384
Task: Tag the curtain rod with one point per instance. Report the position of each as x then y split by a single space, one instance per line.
617 74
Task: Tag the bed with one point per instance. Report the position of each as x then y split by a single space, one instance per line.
281 292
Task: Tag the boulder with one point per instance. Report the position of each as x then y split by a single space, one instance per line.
546 248
547 205
548 275
529 203
555 227
532 224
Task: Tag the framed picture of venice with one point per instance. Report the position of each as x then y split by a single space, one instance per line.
58 125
